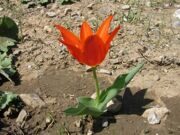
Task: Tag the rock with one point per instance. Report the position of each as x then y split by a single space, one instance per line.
176 19
90 6
148 3
78 123
153 118
93 96
105 123
67 10
125 7
47 29
115 61
167 5
104 71
156 114
1 9
177 5
76 15
21 117
113 105
31 4
32 100
90 132
48 120
51 14
17 52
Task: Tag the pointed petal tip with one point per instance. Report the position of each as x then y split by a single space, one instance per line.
57 26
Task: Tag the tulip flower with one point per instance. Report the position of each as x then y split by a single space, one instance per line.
91 48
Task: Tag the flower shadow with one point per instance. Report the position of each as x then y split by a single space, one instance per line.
135 103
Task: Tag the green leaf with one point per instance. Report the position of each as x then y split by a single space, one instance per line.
6 66
83 110
66 1
120 83
25 1
6 98
44 1
8 28
86 106
5 43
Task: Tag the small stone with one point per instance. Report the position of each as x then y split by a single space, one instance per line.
115 61
177 5
125 7
90 6
78 123
93 96
29 66
176 18
31 4
165 70
104 71
21 117
48 120
148 3
47 29
51 14
1 9
32 100
153 118
67 10
16 52
105 123
156 114
90 132
167 5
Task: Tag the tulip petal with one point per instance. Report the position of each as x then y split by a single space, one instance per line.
68 36
103 30
86 31
94 51
76 52
111 36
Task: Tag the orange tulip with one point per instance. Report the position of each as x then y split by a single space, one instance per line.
91 48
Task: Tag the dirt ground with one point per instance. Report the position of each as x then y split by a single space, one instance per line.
46 68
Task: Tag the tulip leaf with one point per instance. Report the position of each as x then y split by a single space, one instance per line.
83 110
120 83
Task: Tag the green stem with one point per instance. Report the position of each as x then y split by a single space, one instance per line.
97 83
